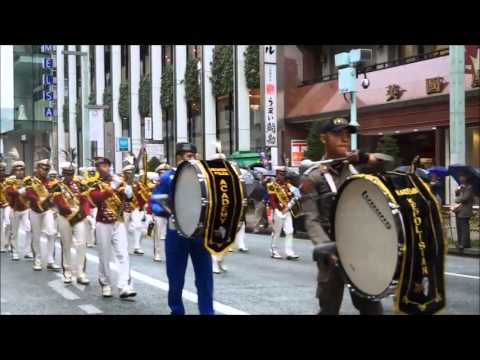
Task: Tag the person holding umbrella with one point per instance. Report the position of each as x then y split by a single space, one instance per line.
463 209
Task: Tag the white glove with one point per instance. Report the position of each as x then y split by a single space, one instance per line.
128 191
73 210
22 191
116 182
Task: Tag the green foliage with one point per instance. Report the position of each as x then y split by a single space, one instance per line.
388 145
92 100
66 116
124 104
78 114
252 66
107 101
316 149
145 97
192 86
166 96
222 70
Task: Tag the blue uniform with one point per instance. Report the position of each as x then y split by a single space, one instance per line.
177 249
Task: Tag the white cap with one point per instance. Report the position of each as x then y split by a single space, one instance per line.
18 163
128 168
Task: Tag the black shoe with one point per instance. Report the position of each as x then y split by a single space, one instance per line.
293 257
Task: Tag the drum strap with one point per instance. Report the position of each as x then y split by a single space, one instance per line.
330 181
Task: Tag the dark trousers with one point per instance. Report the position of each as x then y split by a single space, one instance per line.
330 295
463 232
177 250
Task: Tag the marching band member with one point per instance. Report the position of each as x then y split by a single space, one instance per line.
70 197
36 191
73 206
106 193
91 175
131 215
281 198
5 210
160 217
178 248
20 222
318 190
240 239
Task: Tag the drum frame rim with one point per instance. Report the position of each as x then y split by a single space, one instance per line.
203 190
401 237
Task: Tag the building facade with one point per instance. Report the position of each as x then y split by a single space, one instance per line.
408 98
103 93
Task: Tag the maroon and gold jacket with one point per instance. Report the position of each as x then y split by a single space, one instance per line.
71 199
38 193
109 202
13 197
3 195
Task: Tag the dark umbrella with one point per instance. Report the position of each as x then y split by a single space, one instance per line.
438 170
456 170
419 171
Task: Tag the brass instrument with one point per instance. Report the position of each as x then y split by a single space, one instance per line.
12 181
113 203
72 200
40 189
285 198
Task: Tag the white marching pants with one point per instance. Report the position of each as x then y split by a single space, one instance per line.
91 223
240 237
20 232
73 236
112 237
5 226
159 235
43 223
282 221
134 225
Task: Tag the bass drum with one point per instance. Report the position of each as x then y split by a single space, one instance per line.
389 237
369 233
209 201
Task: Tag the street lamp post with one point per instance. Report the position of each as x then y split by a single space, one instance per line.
347 64
86 153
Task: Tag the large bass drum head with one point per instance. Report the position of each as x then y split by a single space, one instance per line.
366 237
187 199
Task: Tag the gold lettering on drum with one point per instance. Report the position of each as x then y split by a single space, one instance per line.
225 201
421 244
406 191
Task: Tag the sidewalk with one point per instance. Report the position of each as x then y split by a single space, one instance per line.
452 250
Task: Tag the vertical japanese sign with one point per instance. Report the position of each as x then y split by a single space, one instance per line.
148 129
298 148
270 67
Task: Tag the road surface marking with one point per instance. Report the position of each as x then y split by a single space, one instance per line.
187 295
2 300
74 283
90 309
464 276
59 287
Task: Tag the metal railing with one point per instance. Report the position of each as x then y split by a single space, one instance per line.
381 66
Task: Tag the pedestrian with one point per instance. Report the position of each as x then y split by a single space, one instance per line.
106 193
436 187
280 198
318 190
463 210
178 248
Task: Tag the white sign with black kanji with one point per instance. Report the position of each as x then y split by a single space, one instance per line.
270 105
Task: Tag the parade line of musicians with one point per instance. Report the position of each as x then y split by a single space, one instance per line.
116 212
93 207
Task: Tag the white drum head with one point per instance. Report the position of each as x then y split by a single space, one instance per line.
188 200
367 249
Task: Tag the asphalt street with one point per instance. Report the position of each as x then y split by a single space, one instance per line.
254 284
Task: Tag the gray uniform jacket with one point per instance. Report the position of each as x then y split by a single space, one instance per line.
464 195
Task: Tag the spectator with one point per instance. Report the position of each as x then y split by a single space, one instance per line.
436 185
463 210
